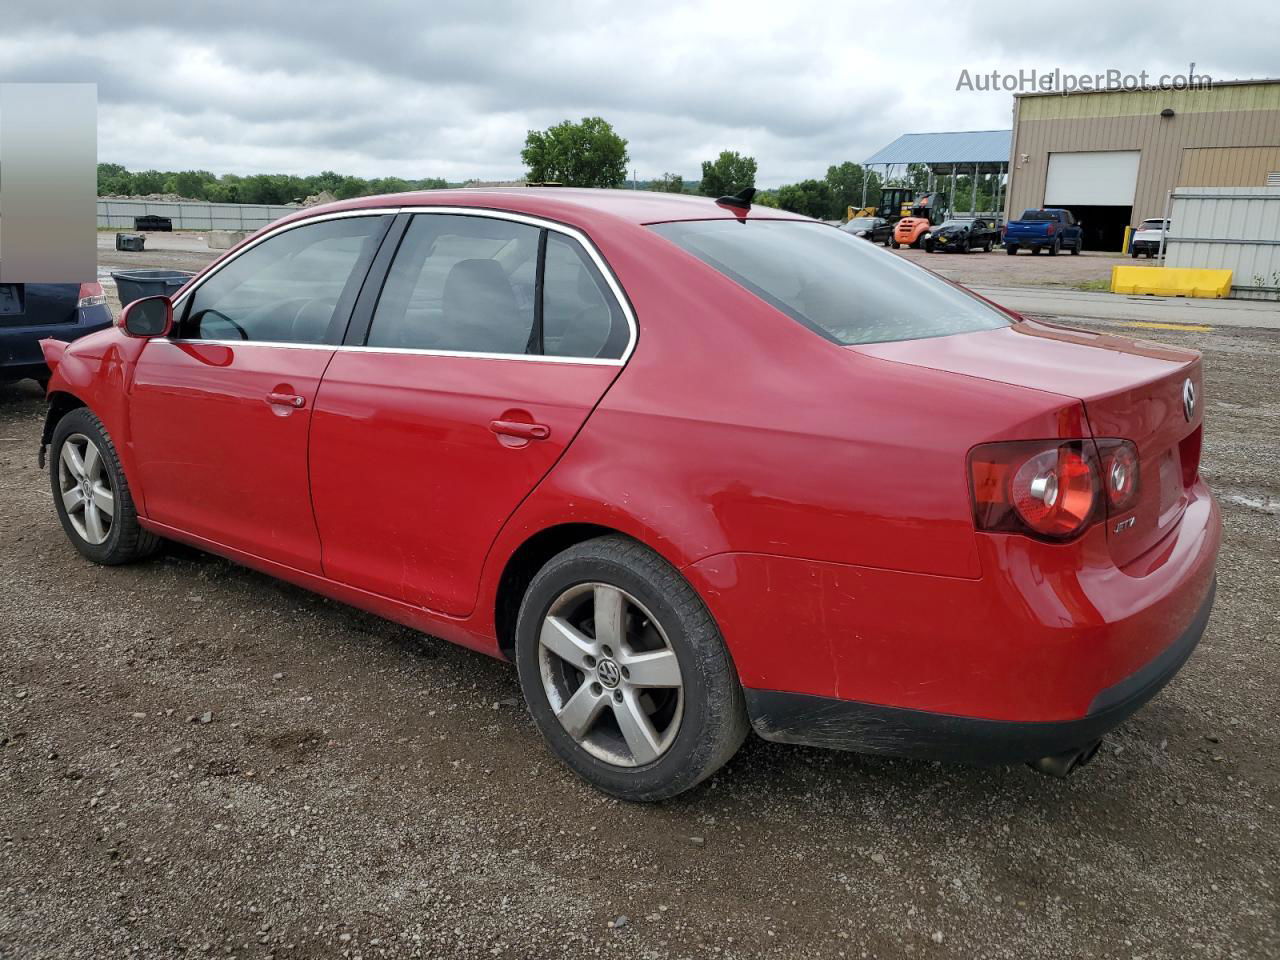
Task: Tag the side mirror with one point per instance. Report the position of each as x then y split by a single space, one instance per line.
147 318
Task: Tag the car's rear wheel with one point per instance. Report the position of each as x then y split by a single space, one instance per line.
625 672
1011 251
91 495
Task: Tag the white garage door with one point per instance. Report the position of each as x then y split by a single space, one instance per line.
1104 179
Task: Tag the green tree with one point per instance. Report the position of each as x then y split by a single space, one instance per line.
585 154
148 181
668 183
812 198
111 177
766 198
188 183
846 181
728 174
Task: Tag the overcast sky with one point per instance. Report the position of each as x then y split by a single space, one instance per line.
419 89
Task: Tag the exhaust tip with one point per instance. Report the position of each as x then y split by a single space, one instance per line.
1064 764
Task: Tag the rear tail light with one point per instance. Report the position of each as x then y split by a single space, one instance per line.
91 295
1189 452
1048 231
1046 489
1119 459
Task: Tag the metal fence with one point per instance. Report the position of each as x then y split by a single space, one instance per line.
195 215
1236 228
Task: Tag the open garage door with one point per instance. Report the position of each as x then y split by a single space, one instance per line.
1098 188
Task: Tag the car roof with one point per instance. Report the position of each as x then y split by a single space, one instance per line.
567 204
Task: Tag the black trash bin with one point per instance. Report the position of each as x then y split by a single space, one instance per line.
135 284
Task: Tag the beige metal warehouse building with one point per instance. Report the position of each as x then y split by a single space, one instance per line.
1112 157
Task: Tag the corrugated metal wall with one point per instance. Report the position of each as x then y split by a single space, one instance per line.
1228 166
1229 227
1244 115
195 215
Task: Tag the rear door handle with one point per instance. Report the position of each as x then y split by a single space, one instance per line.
523 431
286 400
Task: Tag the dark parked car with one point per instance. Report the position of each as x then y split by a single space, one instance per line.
875 229
31 312
1051 229
962 235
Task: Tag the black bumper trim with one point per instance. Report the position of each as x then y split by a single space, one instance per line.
896 731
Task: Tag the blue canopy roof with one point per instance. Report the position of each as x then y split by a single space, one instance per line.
940 150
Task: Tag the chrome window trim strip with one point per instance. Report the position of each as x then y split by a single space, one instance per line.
348 348
601 264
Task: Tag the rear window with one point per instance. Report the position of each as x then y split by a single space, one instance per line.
843 288
1039 215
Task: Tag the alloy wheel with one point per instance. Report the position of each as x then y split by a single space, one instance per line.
610 675
85 486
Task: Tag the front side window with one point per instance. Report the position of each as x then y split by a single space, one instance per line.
289 288
842 288
470 284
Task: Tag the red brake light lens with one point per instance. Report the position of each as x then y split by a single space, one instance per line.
1119 473
1047 489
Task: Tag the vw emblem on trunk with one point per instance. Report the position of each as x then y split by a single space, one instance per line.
1188 399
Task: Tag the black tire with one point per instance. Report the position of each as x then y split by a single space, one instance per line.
893 244
1035 251
1075 251
713 720
125 540
1054 248
1134 254
1011 251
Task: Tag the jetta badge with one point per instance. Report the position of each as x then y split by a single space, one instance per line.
1188 399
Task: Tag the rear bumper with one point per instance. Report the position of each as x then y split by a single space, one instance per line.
1049 634
872 728
20 353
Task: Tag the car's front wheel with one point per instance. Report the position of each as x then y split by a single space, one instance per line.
91 495
625 672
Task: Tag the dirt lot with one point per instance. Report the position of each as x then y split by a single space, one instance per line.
196 760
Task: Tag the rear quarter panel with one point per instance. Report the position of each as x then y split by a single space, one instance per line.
735 429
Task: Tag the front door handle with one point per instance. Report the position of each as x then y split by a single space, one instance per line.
286 400
522 431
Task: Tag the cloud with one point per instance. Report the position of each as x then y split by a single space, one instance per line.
450 89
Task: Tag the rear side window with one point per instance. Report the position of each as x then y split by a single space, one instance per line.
474 284
289 288
580 317
842 288
462 284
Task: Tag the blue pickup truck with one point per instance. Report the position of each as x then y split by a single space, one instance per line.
1050 228
30 312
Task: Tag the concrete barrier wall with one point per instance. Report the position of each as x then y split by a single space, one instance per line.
1231 228
196 215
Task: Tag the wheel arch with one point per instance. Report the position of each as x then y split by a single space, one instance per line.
523 564
61 402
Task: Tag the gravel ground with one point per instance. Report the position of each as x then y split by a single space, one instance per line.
196 760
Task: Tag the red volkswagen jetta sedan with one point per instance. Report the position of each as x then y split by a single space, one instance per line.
697 467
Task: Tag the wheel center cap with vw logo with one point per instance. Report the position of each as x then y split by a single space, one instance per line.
1188 399
609 674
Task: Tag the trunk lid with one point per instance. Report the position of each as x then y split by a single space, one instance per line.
1131 389
31 304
